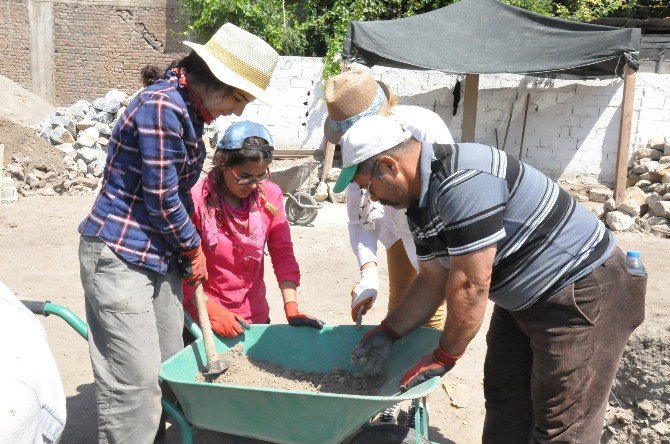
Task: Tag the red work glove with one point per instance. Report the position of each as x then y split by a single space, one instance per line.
374 348
224 322
297 319
198 266
435 364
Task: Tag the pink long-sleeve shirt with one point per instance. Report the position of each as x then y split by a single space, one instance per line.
232 282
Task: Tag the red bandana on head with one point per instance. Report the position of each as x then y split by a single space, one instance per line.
195 100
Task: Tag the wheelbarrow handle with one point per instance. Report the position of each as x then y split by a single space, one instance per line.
37 307
45 308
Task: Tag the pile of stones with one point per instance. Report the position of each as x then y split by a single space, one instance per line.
81 132
646 205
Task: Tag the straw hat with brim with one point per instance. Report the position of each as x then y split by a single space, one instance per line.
350 96
369 136
239 59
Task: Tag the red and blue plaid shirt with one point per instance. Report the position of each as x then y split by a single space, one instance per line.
154 157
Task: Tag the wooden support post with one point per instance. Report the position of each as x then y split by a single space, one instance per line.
328 155
470 108
624 134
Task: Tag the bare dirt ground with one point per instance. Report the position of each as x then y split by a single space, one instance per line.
38 241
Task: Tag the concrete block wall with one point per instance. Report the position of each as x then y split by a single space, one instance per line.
572 127
15 41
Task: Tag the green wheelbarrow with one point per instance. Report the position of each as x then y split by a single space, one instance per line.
288 416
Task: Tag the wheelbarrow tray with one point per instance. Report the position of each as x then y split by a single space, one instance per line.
292 416
290 179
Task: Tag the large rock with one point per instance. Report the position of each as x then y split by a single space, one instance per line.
117 95
96 169
66 122
61 135
636 194
597 209
82 167
661 209
619 221
69 162
32 180
665 178
79 109
16 171
655 220
67 148
662 231
610 204
643 185
652 199
111 106
333 174
103 129
321 192
104 117
648 153
86 123
630 207
656 143
88 137
600 194
88 154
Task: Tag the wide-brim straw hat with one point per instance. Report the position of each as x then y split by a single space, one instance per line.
239 59
350 96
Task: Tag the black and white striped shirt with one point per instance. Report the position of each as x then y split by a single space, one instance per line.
474 196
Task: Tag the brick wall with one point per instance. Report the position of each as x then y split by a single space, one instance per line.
15 41
572 127
97 44
102 46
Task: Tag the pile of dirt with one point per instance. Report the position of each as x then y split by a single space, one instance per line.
21 143
639 408
250 372
20 105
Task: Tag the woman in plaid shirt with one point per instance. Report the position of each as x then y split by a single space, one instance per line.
140 224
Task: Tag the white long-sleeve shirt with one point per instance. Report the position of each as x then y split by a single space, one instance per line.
425 126
32 401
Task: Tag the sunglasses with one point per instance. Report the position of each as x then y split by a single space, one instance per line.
248 180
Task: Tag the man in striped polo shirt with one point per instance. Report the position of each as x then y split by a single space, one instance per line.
488 226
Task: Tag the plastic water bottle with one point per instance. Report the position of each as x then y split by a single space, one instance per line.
634 264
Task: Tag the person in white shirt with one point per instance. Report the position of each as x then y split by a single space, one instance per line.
32 401
350 96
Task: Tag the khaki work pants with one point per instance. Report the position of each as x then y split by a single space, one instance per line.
401 275
135 321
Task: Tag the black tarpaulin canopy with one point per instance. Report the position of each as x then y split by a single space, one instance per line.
490 37
475 37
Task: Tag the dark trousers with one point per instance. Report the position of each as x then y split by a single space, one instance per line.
549 368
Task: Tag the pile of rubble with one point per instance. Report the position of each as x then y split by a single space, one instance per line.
646 205
81 133
639 409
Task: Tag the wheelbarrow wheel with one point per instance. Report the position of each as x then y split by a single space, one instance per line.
386 434
298 215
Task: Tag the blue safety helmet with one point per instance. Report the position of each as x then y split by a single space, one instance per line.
233 138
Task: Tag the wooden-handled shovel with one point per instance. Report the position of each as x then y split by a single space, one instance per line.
215 365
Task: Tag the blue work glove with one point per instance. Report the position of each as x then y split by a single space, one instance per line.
374 348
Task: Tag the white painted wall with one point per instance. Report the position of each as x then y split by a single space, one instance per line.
571 131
